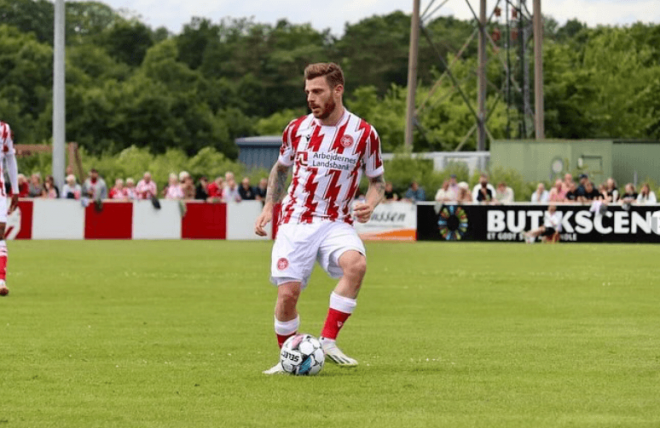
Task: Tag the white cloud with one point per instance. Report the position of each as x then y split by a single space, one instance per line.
173 14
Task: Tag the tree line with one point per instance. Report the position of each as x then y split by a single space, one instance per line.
132 85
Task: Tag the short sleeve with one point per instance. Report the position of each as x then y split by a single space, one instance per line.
7 140
287 151
373 162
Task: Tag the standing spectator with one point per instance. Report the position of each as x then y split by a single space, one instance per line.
229 176
612 190
646 196
602 189
230 191
571 195
453 186
390 195
246 191
188 188
50 189
216 190
173 190
35 187
483 178
630 195
118 192
94 187
261 190
485 194
541 195
566 184
146 188
129 190
71 190
464 195
444 194
415 193
584 179
23 186
557 193
590 193
504 194
200 191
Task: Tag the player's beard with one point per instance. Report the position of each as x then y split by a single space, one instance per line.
328 109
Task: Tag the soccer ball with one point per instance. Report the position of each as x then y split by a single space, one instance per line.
302 355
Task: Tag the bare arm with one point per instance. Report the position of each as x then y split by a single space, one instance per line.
274 194
375 195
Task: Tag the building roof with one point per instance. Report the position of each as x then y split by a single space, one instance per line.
261 141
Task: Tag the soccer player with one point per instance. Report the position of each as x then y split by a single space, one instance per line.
328 150
7 154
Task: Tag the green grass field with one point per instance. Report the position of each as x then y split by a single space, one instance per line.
176 334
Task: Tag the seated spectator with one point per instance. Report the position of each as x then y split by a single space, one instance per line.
541 195
630 195
590 193
94 187
35 188
188 188
50 189
246 191
443 194
646 196
215 190
464 195
146 188
453 186
173 189
129 190
483 178
485 195
390 195
261 190
200 191
23 186
415 193
230 191
571 195
612 191
118 192
557 193
504 194
71 190
567 183
551 225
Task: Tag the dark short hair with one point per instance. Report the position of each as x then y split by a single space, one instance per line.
332 72
93 170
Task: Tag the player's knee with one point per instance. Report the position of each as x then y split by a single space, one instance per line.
288 297
357 268
2 230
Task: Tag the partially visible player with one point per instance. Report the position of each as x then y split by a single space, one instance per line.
8 155
328 150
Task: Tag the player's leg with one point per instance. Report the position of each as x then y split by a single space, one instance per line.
3 261
533 234
287 319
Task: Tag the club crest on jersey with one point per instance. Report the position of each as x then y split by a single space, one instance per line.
282 264
346 141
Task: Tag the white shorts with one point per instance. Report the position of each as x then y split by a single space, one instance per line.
3 209
298 246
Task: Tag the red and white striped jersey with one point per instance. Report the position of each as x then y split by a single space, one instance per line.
6 143
327 167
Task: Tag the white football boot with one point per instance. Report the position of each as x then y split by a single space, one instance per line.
276 369
334 354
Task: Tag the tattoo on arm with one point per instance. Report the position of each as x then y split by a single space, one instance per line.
376 190
277 183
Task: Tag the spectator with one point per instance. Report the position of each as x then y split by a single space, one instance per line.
390 194
71 190
551 225
541 195
646 196
483 178
118 192
261 190
630 196
246 191
229 176
602 189
23 186
584 178
557 193
443 194
590 193
571 195
230 191
173 190
464 195
485 195
95 187
146 188
50 189
453 187
200 191
35 188
612 191
567 183
504 194
129 190
415 193
216 190
188 188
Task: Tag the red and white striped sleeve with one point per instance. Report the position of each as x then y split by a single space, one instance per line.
373 161
287 151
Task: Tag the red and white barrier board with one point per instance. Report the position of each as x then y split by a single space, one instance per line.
68 219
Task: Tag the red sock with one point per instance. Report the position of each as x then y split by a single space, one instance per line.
3 263
281 338
333 323
286 329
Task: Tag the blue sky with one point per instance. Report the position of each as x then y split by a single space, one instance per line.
333 14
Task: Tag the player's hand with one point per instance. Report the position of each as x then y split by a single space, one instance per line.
14 203
264 218
362 212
